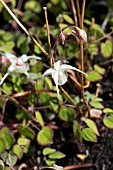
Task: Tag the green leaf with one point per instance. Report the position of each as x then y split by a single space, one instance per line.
106 49
21 40
108 111
8 139
8 88
33 5
1 164
89 135
11 159
37 49
23 141
56 155
66 114
99 69
54 104
92 49
44 97
18 151
108 121
96 105
96 29
50 162
2 145
26 131
39 118
77 131
68 19
45 136
92 126
93 76
47 151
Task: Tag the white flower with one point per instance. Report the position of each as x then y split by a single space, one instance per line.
59 74
18 65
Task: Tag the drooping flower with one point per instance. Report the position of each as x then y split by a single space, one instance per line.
81 33
59 73
62 37
18 65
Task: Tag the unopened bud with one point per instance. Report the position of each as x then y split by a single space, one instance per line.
62 37
81 33
3 61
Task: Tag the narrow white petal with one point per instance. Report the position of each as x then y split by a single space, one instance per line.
12 58
27 74
5 76
55 78
24 57
57 65
48 72
64 67
12 68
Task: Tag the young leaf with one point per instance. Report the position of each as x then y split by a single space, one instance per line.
23 141
18 151
96 105
56 155
106 48
108 111
50 162
11 159
26 131
47 151
89 135
45 136
93 76
108 121
92 125
77 131
8 139
99 69
39 118
66 114
2 145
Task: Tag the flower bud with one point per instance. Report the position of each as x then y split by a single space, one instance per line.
62 37
4 61
81 33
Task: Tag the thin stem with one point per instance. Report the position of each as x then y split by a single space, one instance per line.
48 34
78 10
82 57
71 100
74 12
24 29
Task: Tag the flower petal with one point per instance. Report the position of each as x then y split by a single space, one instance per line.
57 65
12 58
5 76
64 67
24 57
48 72
62 78
55 78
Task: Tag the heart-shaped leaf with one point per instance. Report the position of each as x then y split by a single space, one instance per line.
92 125
89 135
106 48
45 136
108 121
18 151
26 131
66 114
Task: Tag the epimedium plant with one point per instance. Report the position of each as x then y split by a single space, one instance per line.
40 126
